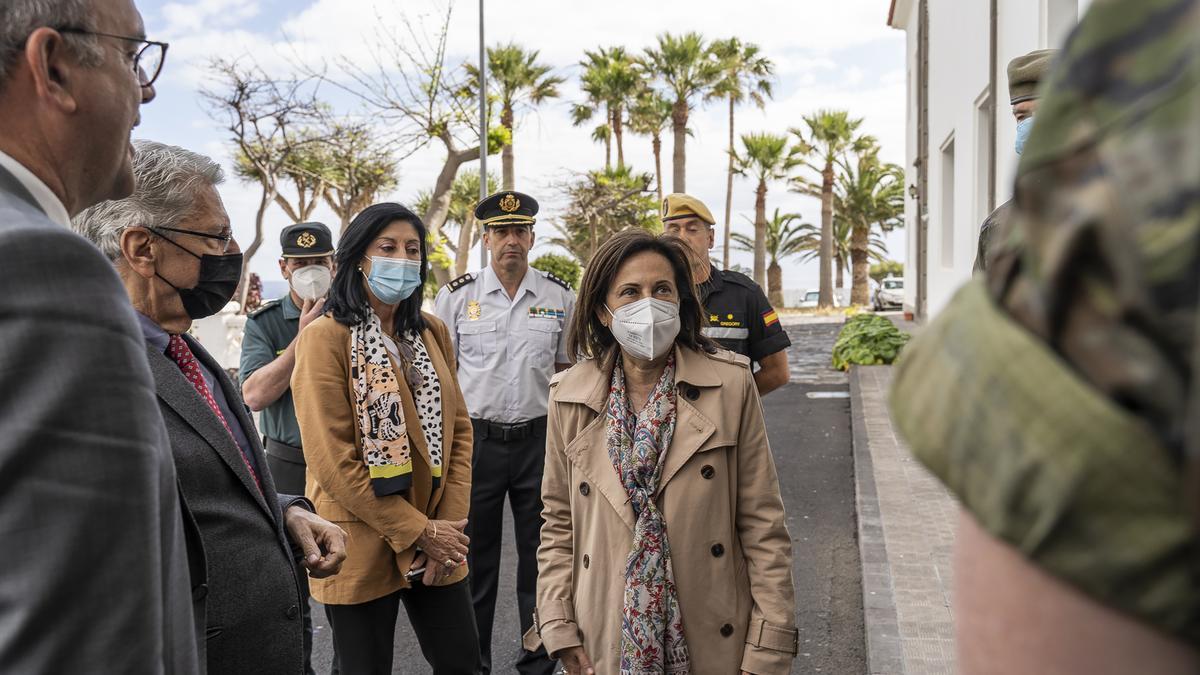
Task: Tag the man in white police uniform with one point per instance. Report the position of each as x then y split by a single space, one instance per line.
509 325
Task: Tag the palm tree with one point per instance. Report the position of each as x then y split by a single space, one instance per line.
783 240
870 195
610 80
842 232
829 134
689 70
649 117
517 79
744 74
766 158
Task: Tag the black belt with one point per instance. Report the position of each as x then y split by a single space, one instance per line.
517 431
283 451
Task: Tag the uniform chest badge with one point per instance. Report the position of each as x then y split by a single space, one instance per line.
474 311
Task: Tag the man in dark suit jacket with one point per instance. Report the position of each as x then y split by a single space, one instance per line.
89 508
173 249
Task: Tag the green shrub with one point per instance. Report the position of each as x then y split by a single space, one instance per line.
561 266
868 340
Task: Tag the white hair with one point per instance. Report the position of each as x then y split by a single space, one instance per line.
168 178
19 18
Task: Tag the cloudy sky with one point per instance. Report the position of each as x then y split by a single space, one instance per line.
828 55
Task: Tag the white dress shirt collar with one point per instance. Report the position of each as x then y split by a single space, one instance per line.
49 202
491 283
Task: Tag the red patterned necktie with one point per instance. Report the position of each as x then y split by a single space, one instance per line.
179 352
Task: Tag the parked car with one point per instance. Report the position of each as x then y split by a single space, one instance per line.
889 293
812 298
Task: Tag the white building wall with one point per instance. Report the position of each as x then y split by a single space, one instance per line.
958 88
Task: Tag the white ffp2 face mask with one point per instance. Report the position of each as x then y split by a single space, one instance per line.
311 282
647 328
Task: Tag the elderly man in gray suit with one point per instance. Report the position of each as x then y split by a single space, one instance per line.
89 508
174 251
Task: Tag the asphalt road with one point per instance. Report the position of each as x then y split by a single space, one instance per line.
808 423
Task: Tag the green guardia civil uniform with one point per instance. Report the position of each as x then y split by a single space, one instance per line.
1057 396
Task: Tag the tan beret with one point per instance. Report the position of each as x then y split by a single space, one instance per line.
1026 72
679 205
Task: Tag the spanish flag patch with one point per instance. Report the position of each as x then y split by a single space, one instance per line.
770 318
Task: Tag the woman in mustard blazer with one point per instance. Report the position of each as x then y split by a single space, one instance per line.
387 439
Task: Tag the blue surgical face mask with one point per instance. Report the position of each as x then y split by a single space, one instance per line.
1023 129
393 279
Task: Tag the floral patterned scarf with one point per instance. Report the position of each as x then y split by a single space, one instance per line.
652 640
380 410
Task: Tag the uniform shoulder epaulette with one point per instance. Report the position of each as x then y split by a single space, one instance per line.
556 280
738 278
730 357
458 283
270 304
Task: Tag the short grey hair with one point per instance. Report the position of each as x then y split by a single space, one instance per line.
19 18
168 179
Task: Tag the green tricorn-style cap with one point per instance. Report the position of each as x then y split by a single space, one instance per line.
306 240
1026 72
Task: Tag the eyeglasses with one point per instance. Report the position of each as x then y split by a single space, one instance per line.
412 374
225 239
148 62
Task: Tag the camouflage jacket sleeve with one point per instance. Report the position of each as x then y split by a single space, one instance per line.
1051 396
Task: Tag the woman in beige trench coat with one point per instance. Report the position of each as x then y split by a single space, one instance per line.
659 559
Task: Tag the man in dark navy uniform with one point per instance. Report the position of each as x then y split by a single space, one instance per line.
739 316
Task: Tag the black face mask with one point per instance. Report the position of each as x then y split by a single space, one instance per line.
219 276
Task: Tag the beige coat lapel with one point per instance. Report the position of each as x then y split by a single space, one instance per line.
588 451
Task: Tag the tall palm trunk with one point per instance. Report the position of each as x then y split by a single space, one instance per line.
679 120
760 233
860 265
775 284
656 142
841 271
608 143
728 192
825 294
619 135
508 179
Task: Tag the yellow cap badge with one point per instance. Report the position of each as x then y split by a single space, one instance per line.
509 203
306 240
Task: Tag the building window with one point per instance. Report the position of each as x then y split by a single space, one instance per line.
983 156
1059 18
946 212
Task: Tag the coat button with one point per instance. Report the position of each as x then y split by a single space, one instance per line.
726 630
692 393
584 489
200 592
718 550
293 612
586 561
707 471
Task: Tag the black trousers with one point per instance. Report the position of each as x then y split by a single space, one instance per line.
441 616
514 468
286 464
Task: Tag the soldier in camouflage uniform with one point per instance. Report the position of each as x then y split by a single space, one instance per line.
1052 396
1024 77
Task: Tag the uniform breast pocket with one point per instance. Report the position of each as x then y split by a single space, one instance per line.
543 340
477 339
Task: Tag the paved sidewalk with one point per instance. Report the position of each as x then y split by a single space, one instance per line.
906 532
